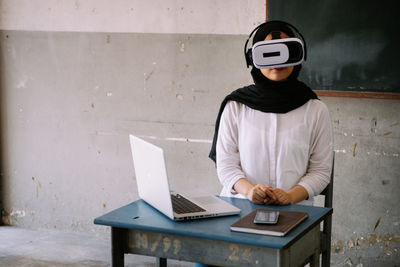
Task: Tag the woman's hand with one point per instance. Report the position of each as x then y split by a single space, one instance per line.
294 195
283 197
261 194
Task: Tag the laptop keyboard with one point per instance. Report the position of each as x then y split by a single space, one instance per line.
182 205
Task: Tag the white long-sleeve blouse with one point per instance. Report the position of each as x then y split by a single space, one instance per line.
279 150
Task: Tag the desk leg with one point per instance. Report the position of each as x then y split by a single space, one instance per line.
117 247
326 242
161 262
314 261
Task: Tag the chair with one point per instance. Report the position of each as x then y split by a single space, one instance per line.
326 232
325 239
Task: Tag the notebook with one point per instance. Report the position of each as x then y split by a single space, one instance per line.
153 187
286 222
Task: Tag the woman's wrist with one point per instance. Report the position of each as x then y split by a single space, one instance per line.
297 194
243 186
292 199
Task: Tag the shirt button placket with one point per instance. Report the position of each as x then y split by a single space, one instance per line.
272 150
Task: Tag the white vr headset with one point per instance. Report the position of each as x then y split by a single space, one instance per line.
278 53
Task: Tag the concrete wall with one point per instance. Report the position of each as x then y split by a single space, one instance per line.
77 77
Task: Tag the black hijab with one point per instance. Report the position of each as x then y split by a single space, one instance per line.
266 95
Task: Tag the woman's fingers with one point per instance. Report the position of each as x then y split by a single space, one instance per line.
269 192
258 195
262 194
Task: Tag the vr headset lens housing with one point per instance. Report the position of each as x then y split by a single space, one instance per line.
277 53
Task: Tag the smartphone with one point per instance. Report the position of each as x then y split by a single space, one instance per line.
266 217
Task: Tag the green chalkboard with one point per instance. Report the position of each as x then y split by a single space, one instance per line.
353 45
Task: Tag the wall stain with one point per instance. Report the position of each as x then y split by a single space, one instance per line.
384 134
377 223
38 186
148 76
200 91
374 123
354 149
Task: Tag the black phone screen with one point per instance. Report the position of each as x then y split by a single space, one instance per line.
266 217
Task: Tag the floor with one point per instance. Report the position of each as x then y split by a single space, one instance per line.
22 247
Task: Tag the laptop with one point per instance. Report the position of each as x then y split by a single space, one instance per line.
153 187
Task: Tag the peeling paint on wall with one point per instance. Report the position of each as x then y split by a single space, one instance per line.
369 153
396 155
338 246
11 218
176 139
181 46
388 243
374 123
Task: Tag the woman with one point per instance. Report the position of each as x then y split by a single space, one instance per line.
273 141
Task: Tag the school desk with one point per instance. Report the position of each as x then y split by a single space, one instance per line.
140 229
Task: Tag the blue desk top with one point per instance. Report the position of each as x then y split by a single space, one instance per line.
139 215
